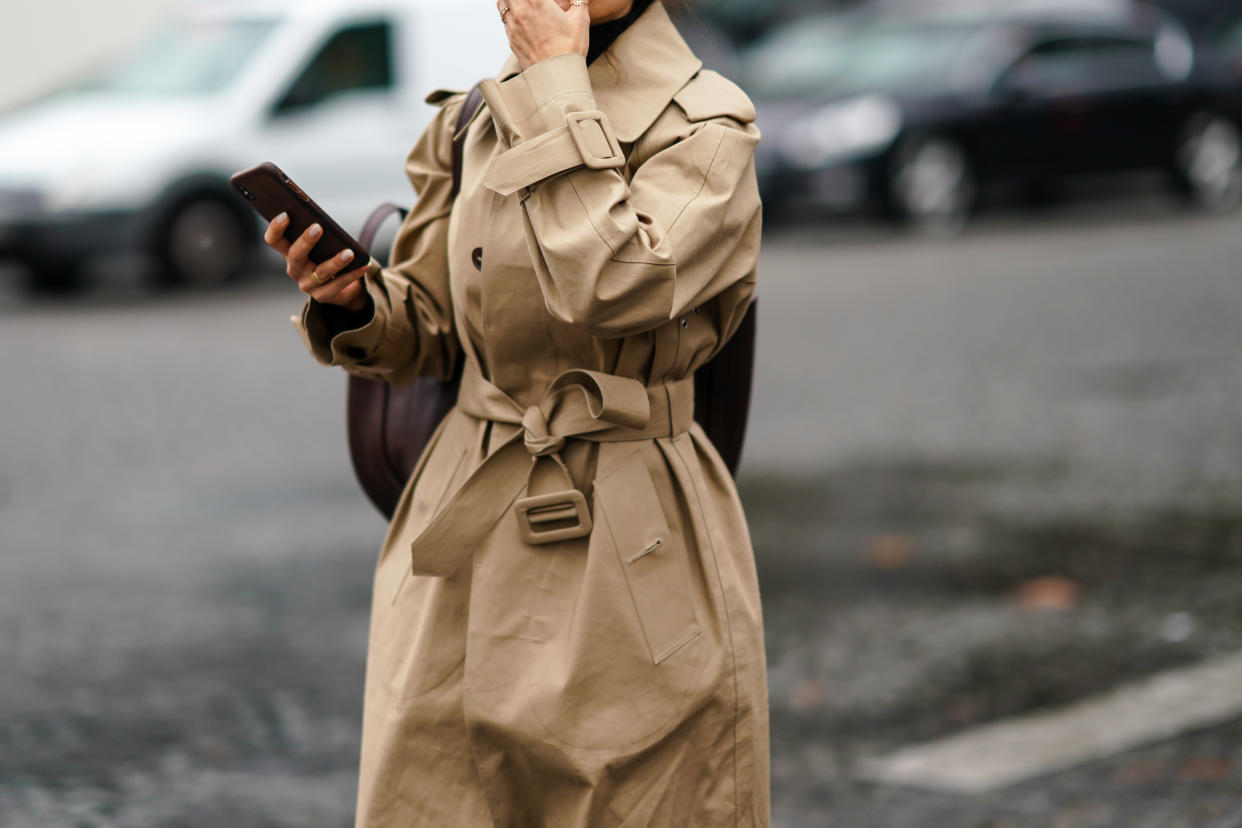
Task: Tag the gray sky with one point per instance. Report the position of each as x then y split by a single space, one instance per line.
43 43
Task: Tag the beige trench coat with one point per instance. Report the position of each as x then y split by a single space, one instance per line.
603 246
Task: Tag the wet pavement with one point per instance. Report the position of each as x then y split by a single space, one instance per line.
1016 484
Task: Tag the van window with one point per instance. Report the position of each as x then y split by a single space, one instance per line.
188 58
358 57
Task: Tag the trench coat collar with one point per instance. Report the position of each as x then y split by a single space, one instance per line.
638 74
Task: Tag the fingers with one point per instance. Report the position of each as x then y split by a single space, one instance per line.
274 235
539 29
525 9
302 270
570 7
580 13
297 254
346 289
323 282
296 258
312 276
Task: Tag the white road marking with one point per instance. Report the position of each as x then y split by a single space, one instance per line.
993 756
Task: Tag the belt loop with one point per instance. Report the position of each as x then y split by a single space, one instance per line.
680 395
673 431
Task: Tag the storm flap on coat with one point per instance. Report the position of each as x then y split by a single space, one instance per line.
603 247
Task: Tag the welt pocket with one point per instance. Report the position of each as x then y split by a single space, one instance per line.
652 558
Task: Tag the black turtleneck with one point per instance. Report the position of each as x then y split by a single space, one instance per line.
603 34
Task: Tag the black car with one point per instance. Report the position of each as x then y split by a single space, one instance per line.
746 20
919 112
1204 16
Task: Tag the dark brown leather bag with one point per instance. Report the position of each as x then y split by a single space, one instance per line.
390 426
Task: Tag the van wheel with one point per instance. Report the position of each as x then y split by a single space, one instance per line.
202 244
1207 163
932 185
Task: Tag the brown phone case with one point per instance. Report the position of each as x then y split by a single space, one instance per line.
270 192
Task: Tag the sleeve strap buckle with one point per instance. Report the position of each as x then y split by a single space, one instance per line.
593 136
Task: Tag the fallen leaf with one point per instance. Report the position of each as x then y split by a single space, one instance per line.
963 710
807 695
890 551
1051 593
1141 773
1204 769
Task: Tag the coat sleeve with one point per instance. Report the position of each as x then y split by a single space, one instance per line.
619 257
408 328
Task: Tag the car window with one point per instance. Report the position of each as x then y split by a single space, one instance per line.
860 59
1203 15
358 57
1231 40
1084 65
1051 68
1117 64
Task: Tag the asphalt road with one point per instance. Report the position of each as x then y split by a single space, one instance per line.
186 558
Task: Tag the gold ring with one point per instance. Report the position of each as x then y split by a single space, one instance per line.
579 2
315 276
503 12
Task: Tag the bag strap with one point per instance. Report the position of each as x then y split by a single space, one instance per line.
474 100
378 216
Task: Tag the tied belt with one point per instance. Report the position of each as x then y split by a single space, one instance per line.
582 405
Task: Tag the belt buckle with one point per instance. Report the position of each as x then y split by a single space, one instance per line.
553 508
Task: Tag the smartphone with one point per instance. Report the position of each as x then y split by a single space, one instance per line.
270 192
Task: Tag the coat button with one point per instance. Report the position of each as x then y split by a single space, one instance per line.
684 323
476 256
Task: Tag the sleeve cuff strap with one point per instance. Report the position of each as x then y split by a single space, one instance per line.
555 76
328 347
526 104
586 139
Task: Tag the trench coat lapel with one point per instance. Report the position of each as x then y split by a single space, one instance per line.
639 73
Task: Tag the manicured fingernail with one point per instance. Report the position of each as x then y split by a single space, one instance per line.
281 219
346 255
314 230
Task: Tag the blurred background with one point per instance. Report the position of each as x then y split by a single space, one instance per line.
994 468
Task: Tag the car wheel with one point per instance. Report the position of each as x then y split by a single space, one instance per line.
933 186
1208 161
202 244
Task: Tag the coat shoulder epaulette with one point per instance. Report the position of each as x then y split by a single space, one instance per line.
440 96
710 94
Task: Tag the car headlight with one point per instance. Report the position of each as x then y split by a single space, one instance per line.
844 130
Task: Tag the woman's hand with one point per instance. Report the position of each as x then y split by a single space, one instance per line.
540 29
325 282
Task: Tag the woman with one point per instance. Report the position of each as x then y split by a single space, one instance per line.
565 627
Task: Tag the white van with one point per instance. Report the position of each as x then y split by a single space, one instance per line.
138 158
